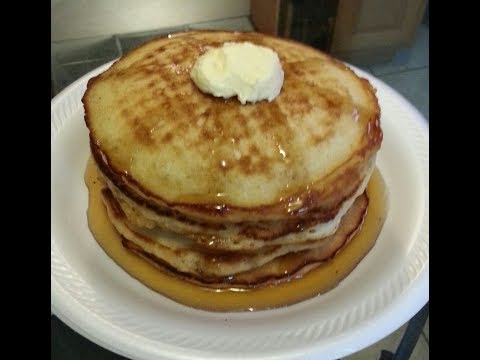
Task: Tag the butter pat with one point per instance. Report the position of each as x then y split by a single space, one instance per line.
250 72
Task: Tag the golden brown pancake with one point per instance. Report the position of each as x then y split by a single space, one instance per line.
218 193
236 236
231 267
159 139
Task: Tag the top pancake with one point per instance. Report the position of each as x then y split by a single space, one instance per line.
163 141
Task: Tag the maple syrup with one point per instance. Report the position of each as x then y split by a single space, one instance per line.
315 282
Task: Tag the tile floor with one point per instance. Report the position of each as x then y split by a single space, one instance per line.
391 342
408 73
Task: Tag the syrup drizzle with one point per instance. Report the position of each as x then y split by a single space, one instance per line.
295 289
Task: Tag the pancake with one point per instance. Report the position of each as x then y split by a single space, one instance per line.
230 267
159 138
220 194
236 236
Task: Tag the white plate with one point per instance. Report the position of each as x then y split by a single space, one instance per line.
99 300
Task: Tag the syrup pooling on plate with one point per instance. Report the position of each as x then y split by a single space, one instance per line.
289 291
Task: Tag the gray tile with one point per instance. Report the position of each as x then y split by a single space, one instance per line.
408 58
426 16
130 41
390 343
234 24
73 51
373 352
398 63
64 75
360 66
426 329
419 52
414 85
421 351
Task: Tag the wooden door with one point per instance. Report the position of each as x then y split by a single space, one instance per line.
371 30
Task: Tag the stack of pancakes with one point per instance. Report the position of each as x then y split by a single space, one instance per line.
223 194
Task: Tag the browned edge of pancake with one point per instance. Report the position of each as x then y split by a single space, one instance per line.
261 230
309 214
242 280
302 260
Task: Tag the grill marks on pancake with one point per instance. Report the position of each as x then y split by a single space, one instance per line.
177 117
307 97
174 71
155 109
152 99
142 132
253 162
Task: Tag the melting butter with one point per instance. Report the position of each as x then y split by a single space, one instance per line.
248 71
